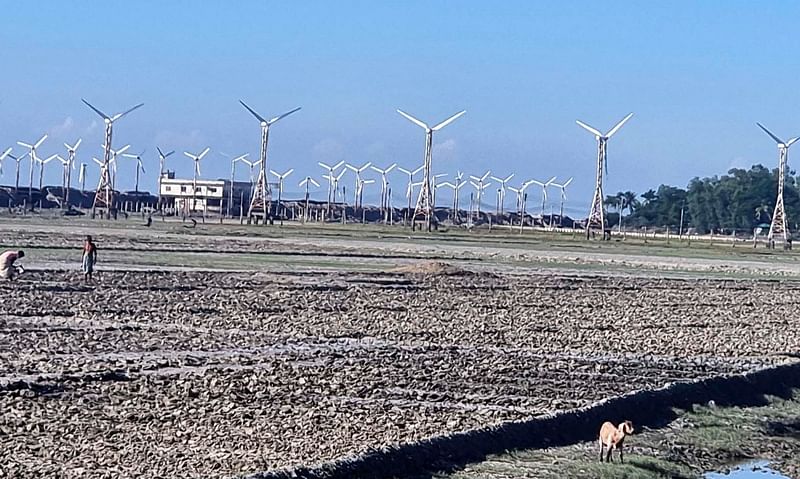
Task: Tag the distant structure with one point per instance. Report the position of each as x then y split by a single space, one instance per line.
424 204
184 196
104 194
69 167
196 159
32 153
385 207
261 202
544 186
162 160
597 217
480 184
778 225
139 168
563 188
502 191
409 189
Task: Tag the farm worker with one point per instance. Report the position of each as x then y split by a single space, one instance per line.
7 259
89 258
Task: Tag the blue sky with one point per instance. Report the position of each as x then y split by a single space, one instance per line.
697 75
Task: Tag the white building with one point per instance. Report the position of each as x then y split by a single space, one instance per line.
211 196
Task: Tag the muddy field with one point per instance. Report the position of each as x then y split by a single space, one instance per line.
220 374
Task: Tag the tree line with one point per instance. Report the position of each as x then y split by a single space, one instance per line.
740 200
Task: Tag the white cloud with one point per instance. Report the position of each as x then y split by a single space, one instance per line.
446 150
64 128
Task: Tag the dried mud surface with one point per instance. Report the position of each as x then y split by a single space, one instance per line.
221 374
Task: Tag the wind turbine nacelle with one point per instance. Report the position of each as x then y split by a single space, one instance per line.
264 124
107 121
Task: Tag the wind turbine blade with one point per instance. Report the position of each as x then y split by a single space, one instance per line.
777 140
282 116
474 178
486 175
259 117
391 167
366 165
566 183
189 154
314 182
475 185
106 117
274 173
6 153
122 150
448 121
338 165
324 165
289 172
589 128
412 119
41 140
160 153
403 170
419 169
20 143
97 161
375 168
508 178
128 155
497 179
171 152
619 125
77 144
351 167
120 115
241 157
550 181
792 141
204 153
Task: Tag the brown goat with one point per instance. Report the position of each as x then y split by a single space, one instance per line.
613 438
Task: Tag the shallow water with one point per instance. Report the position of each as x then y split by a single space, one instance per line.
750 470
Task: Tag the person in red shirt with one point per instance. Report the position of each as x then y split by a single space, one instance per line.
89 258
7 260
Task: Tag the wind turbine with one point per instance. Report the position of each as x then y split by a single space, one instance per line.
113 163
456 187
65 175
162 160
358 172
306 181
384 189
139 166
503 185
424 206
778 225
104 195
196 159
409 187
242 158
3 157
69 167
41 172
262 194
281 177
480 184
17 161
544 192
333 180
330 176
563 189
34 159
436 187
597 212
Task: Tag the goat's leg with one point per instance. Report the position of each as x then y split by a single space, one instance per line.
609 456
601 451
620 456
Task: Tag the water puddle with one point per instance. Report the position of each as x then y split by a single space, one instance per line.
750 470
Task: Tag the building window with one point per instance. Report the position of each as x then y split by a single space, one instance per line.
183 189
199 189
212 190
168 188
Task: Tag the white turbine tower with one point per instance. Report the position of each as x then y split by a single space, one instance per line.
333 180
82 177
330 176
563 188
104 194
544 186
3 157
196 159
597 217
32 154
435 188
280 178
503 185
424 206
385 207
17 161
65 175
68 169
261 201
409 187
358 172
778 225
139 168
306 182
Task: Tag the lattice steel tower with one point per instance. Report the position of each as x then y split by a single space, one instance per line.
779 225
424 206
597 217
261 202
104 195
